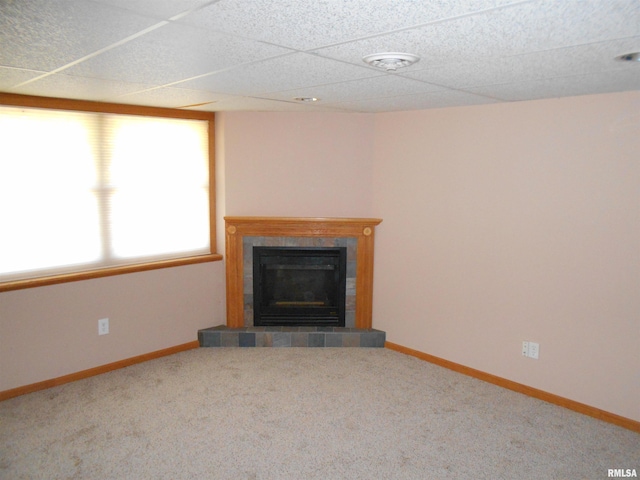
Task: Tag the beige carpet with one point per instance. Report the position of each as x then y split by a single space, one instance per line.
268 413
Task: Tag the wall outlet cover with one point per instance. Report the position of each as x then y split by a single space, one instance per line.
103 326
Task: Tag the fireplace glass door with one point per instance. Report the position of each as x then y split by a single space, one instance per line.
294 286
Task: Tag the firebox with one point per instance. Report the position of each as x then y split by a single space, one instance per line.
299 286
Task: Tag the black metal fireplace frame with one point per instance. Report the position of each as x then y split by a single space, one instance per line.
293 314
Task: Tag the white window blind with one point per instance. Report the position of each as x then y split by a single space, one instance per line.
82 191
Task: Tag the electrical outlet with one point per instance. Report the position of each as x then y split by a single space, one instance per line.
531 350
103 326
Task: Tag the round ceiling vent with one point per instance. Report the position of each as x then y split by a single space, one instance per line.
391 61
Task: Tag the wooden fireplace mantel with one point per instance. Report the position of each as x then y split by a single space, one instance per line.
361 228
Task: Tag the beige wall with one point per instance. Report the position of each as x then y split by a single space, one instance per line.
298 164
516 222
48 332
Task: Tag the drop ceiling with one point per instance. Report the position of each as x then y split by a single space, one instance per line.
259 55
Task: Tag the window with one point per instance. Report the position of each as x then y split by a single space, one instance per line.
92 189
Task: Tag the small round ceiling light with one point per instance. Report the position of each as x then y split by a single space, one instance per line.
391 61
629 57
306 99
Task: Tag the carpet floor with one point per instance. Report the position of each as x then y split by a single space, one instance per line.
300 413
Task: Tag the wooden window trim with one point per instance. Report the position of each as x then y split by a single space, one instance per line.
29 101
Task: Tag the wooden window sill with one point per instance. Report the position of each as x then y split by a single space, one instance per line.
106 272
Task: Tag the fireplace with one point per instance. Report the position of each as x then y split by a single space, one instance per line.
299 286
244 233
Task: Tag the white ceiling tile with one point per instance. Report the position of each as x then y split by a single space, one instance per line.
439 99
250 54
174 52
171 97
255 104
606 82
306 24
584 59
381 86
47 34
164 9
519 29
283 73
10 77
81 88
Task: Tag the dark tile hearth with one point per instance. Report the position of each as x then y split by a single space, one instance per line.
223 336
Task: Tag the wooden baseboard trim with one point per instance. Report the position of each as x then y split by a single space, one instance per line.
521 388
72 377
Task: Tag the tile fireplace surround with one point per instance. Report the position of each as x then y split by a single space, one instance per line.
242 233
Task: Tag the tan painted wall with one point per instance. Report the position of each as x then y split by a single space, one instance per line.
516 222
48 332
298 164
